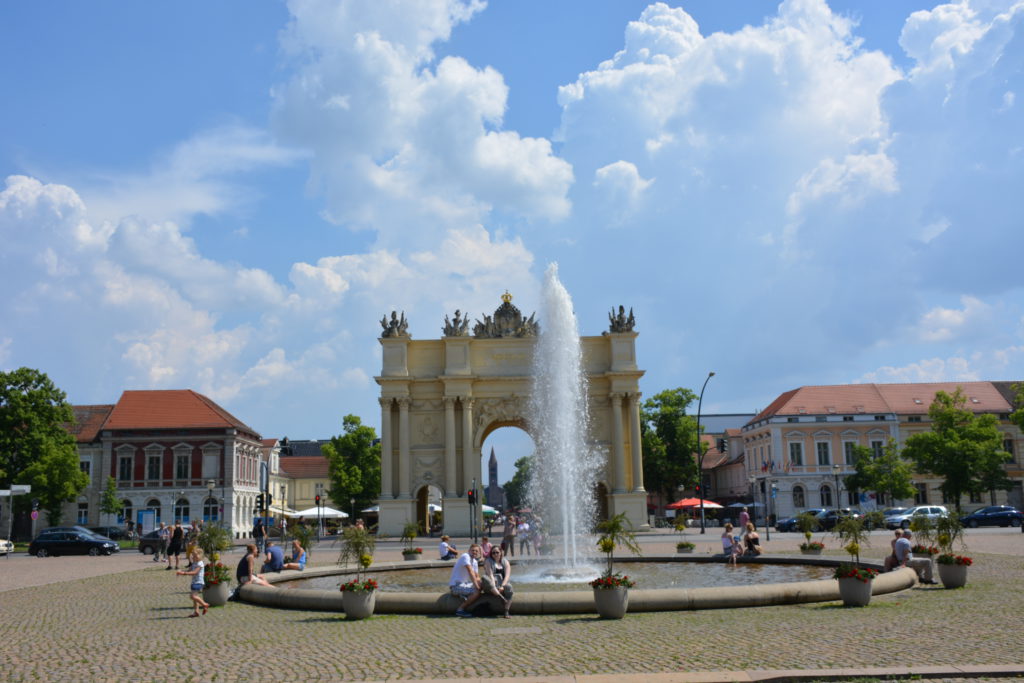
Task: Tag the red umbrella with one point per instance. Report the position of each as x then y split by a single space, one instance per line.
691 503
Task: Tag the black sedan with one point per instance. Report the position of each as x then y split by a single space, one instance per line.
71 543
789 523
827 519
993 515
114 533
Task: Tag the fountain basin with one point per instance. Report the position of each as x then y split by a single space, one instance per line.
582 601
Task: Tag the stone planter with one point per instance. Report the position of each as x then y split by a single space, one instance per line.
411 557
854 592
811 551
358 604
611 603
217 595
953 575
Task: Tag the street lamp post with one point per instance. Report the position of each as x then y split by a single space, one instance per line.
700 454
835 472
210 485
352 504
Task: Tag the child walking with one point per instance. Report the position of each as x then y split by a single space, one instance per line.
196 586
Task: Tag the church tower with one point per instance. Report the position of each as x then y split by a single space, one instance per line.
495 495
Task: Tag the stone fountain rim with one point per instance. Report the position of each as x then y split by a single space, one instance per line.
582 602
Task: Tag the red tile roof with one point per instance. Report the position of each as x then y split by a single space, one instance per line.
269 443
88 422
304 466
901 399
170 409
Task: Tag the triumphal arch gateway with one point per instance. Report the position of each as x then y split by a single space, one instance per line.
441 398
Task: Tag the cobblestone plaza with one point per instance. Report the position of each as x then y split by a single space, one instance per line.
124 617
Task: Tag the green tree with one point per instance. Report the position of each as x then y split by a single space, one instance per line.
353 464
668 435
35 446
965 449
1017 417
516 488
110 504
882 472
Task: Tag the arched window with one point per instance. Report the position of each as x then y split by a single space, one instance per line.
126 511
211 510
799 500
181 510
154 505
826 496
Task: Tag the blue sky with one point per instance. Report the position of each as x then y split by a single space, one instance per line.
227 196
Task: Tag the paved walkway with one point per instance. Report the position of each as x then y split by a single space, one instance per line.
124 617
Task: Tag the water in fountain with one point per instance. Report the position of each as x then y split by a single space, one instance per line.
564 468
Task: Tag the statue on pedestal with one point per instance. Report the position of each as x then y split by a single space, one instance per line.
396 327
620 322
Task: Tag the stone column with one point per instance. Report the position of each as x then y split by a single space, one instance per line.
468 468
634 440
618 451
403 446
449 447
386 453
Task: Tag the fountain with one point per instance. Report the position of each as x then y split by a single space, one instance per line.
564 468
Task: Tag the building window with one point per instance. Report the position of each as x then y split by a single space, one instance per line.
181 464
876 448
975 497
914 418
1008 446
826 496
211 510
796 454
798 497
824 455
820 418
126 510
852 498
847 418
86 466
848 452
880 418
792 419
211 463
181 510
83 513
153 467
921 495
124 468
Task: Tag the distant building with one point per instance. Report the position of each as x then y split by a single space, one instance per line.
801 444
298 474
495 494
174 454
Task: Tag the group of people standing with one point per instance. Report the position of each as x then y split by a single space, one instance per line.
525 528
174 540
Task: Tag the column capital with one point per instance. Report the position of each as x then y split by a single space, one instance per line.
467 401
449 400
403 402
616 396
633 396
385 402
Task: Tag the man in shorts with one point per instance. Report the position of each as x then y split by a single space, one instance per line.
465 579
164 536
905 558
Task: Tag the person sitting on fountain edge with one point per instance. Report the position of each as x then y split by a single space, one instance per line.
275 558
465 579
446 549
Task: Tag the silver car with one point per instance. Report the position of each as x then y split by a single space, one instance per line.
902 519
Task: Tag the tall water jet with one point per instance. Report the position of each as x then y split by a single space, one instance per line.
564 468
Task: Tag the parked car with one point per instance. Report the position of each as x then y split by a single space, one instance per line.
789 523
6 546
827 519
902 520
115 533
52 542
149 543
993 515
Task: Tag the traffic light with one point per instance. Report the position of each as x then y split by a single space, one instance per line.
35 504
270 500
697 489
471 496
259 501
318 500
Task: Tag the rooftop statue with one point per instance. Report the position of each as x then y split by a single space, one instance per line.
458 327
620 322
396 327
506 322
